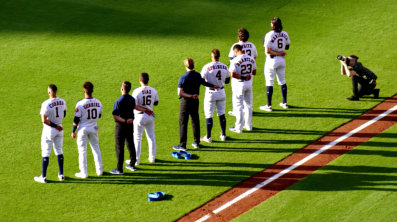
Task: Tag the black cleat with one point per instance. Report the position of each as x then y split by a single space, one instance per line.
353 98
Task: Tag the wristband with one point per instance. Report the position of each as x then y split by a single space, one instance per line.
53 125
74 128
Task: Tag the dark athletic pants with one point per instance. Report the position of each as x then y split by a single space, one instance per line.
189 107
363 89
124 133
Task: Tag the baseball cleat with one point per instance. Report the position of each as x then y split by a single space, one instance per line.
129 161
131 168
117 172
353 98
179 148
223 137
248 128
231 113
284 105
151 161
80 175
40 179
266 108
61 177
205 139
195 145
233 129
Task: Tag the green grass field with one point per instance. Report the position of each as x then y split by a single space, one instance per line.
68 42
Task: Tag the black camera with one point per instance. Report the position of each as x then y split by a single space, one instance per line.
342 58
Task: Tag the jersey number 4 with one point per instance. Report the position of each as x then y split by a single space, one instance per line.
219 75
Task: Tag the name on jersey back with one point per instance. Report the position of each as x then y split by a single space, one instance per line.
89 105
280 34
246 59
217 67
56 103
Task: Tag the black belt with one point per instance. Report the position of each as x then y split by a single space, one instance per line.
213 89
140 112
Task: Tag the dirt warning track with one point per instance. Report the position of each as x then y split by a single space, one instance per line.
298 165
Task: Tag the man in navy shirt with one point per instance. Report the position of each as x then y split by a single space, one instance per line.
123 114
188 91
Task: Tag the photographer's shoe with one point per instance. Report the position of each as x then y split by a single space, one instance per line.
376 93
353 98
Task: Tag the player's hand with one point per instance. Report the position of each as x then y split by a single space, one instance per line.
217 87
130 121
73 135
248 78
283 54
59 128
149 112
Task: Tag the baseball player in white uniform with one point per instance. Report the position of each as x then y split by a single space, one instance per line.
145 97
242 69
215 73
248 47
52 112
275 43
86 115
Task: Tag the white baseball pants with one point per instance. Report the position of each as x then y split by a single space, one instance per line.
84 135
242 108
51 137
144 122
273 67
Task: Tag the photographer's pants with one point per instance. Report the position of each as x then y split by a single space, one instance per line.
365 88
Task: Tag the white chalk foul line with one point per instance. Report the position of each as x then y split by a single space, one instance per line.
297 164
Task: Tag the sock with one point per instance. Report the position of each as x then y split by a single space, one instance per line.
60 163
222 120
269 93
284 92
209 127
46 160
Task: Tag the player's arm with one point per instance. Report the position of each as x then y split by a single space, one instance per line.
237 76
227 80
143 109
76 122
45 120
274 53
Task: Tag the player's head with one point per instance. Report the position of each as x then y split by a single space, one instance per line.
237 49
243 34
52 90
189 63
352 60
276 24
126 87
144 78
88 88
215 54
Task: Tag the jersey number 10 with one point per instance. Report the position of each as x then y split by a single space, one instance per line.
92 113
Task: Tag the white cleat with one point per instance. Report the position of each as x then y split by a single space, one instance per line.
248 128
80 175
150 161
40 179
284 105
266 108
205 139
233 129
129 161
223 137
61 177
231 113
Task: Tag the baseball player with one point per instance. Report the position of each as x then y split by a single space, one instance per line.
275 43
52 112
145 96
248 47
215 73
86 115
242 68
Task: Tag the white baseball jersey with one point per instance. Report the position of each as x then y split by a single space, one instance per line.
88 110
54 109
242 65
145 96
276 41
248 48
215 73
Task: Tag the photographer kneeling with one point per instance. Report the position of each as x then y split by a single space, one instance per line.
360 75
